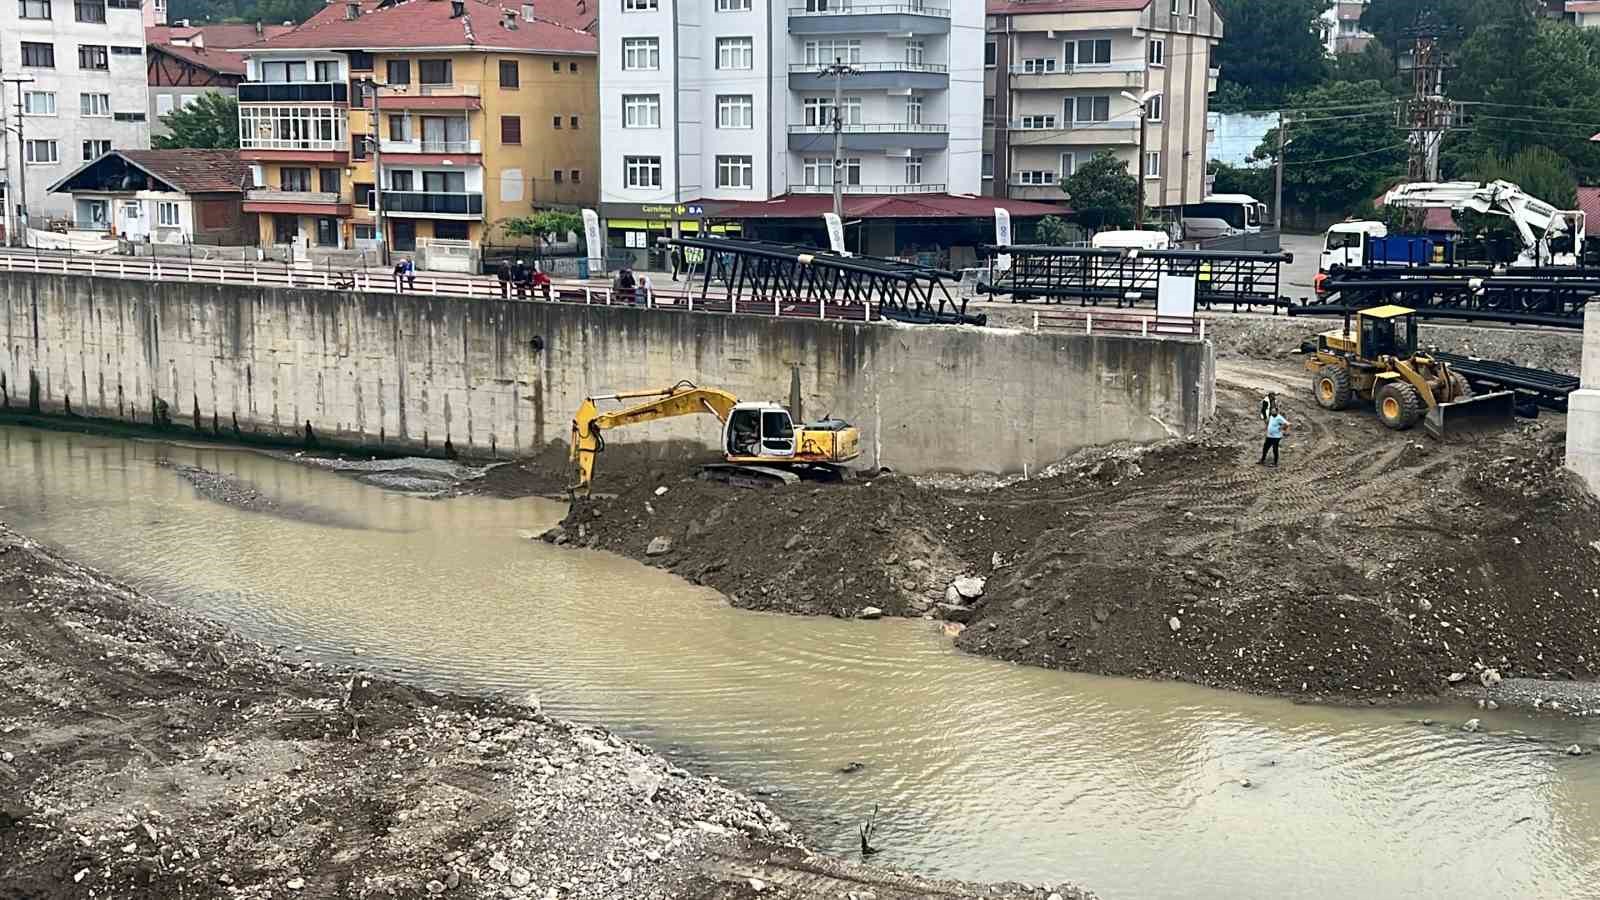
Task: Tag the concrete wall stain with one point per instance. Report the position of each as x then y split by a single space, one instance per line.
927 398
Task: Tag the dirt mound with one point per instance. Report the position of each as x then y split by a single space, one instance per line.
1370 565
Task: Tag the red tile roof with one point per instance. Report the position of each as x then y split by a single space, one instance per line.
223 62
423 24
194 171
1583 6
215 37
1589 202
1023 7
872 206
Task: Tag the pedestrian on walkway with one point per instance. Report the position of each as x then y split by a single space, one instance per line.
541 281
676 255
645 289
1275 429
521 277
402 268
1269 406
503 272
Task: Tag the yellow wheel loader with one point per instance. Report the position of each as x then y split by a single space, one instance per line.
761 446
1377 362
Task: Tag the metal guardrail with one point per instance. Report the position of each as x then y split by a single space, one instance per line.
875 9
1155 326
458 287
891 66
875 128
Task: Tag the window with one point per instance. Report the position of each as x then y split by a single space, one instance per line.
292 128
988 165
641 110
576 176
735 171
573 68
360 144
451 230
1194 7
326 70
1069 164
736 53
1152 164
510 75
40 56
188 100
94 105
641 171
328 180
360 61
1037 122
167 214
1158 52
1036 178
572 122
294 179
820 111
1090 109
39 103
558 176
1177 7
913 170
277 72
1153 109
128 117
555 122
433 71
640 5
988 110
818 171
991 54
35 9
826 53
913 110
1088 53
363 194
94 149
641 54
120 50
1039 65
400 180
399 128
163 105
915 52
93 56
90 11
444 182
736 111
399 71
42 152
733 5
327 231
510 129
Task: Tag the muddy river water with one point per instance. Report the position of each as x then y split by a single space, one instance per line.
982 769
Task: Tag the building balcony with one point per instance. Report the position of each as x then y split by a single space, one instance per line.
1048 74
432 205
294 92
316 203
466 95
873 189
871 137
469 153
1116 131
1039 192
844 17
874 76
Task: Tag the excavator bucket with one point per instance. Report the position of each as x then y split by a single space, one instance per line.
1481 413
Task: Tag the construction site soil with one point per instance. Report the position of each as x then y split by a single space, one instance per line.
1371 566
146 754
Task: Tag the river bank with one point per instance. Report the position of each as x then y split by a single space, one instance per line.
149 753
1371 567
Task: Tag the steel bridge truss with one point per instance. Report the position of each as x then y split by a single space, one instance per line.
1126 278
1551 295
759 272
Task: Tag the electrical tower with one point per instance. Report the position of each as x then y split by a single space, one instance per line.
1426 113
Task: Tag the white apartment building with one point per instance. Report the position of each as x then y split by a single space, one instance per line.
721 100
86 94
1062 81
1341 27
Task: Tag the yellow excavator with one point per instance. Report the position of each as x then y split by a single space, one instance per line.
1377 361
761 446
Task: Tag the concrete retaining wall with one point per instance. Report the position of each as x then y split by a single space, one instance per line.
1583 407
503 378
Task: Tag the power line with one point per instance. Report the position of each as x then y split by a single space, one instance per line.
1329 159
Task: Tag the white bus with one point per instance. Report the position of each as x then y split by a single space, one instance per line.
1223 215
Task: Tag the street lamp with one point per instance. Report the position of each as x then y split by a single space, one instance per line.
22 159
375 138
1143 101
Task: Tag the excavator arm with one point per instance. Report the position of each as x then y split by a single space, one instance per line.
682 399
1500 198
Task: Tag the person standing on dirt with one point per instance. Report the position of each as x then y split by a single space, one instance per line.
1275 428
1269 406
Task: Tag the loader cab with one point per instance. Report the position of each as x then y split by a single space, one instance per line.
760 430
1387 331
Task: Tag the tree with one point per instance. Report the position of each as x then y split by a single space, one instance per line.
269 11
1337 161
1391 20
210 123
1102 192
1230 179
1053 231
545 225
1274 47
1373 63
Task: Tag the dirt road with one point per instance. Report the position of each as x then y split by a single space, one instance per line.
148 754
1372 565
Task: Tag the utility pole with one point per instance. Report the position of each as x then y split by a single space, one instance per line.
1283 144
838 71
22 159
1427 114
1142 103
376 138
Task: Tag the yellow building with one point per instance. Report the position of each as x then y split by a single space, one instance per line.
482 114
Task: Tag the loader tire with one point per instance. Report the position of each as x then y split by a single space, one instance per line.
1331 387
1399 405
1460 388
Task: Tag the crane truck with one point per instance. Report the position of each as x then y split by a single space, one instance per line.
761 445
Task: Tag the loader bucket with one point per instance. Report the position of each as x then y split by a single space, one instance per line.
1481 413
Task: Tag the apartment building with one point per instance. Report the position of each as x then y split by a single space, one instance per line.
1341 27
705 103
1062 84
83 95
480 114
185 62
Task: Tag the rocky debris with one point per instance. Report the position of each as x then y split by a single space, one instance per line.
869 612
659 546
1175 624
1472 725
1456 677
1576 750
968 587
955 612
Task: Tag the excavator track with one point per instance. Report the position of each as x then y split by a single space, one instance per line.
748 476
